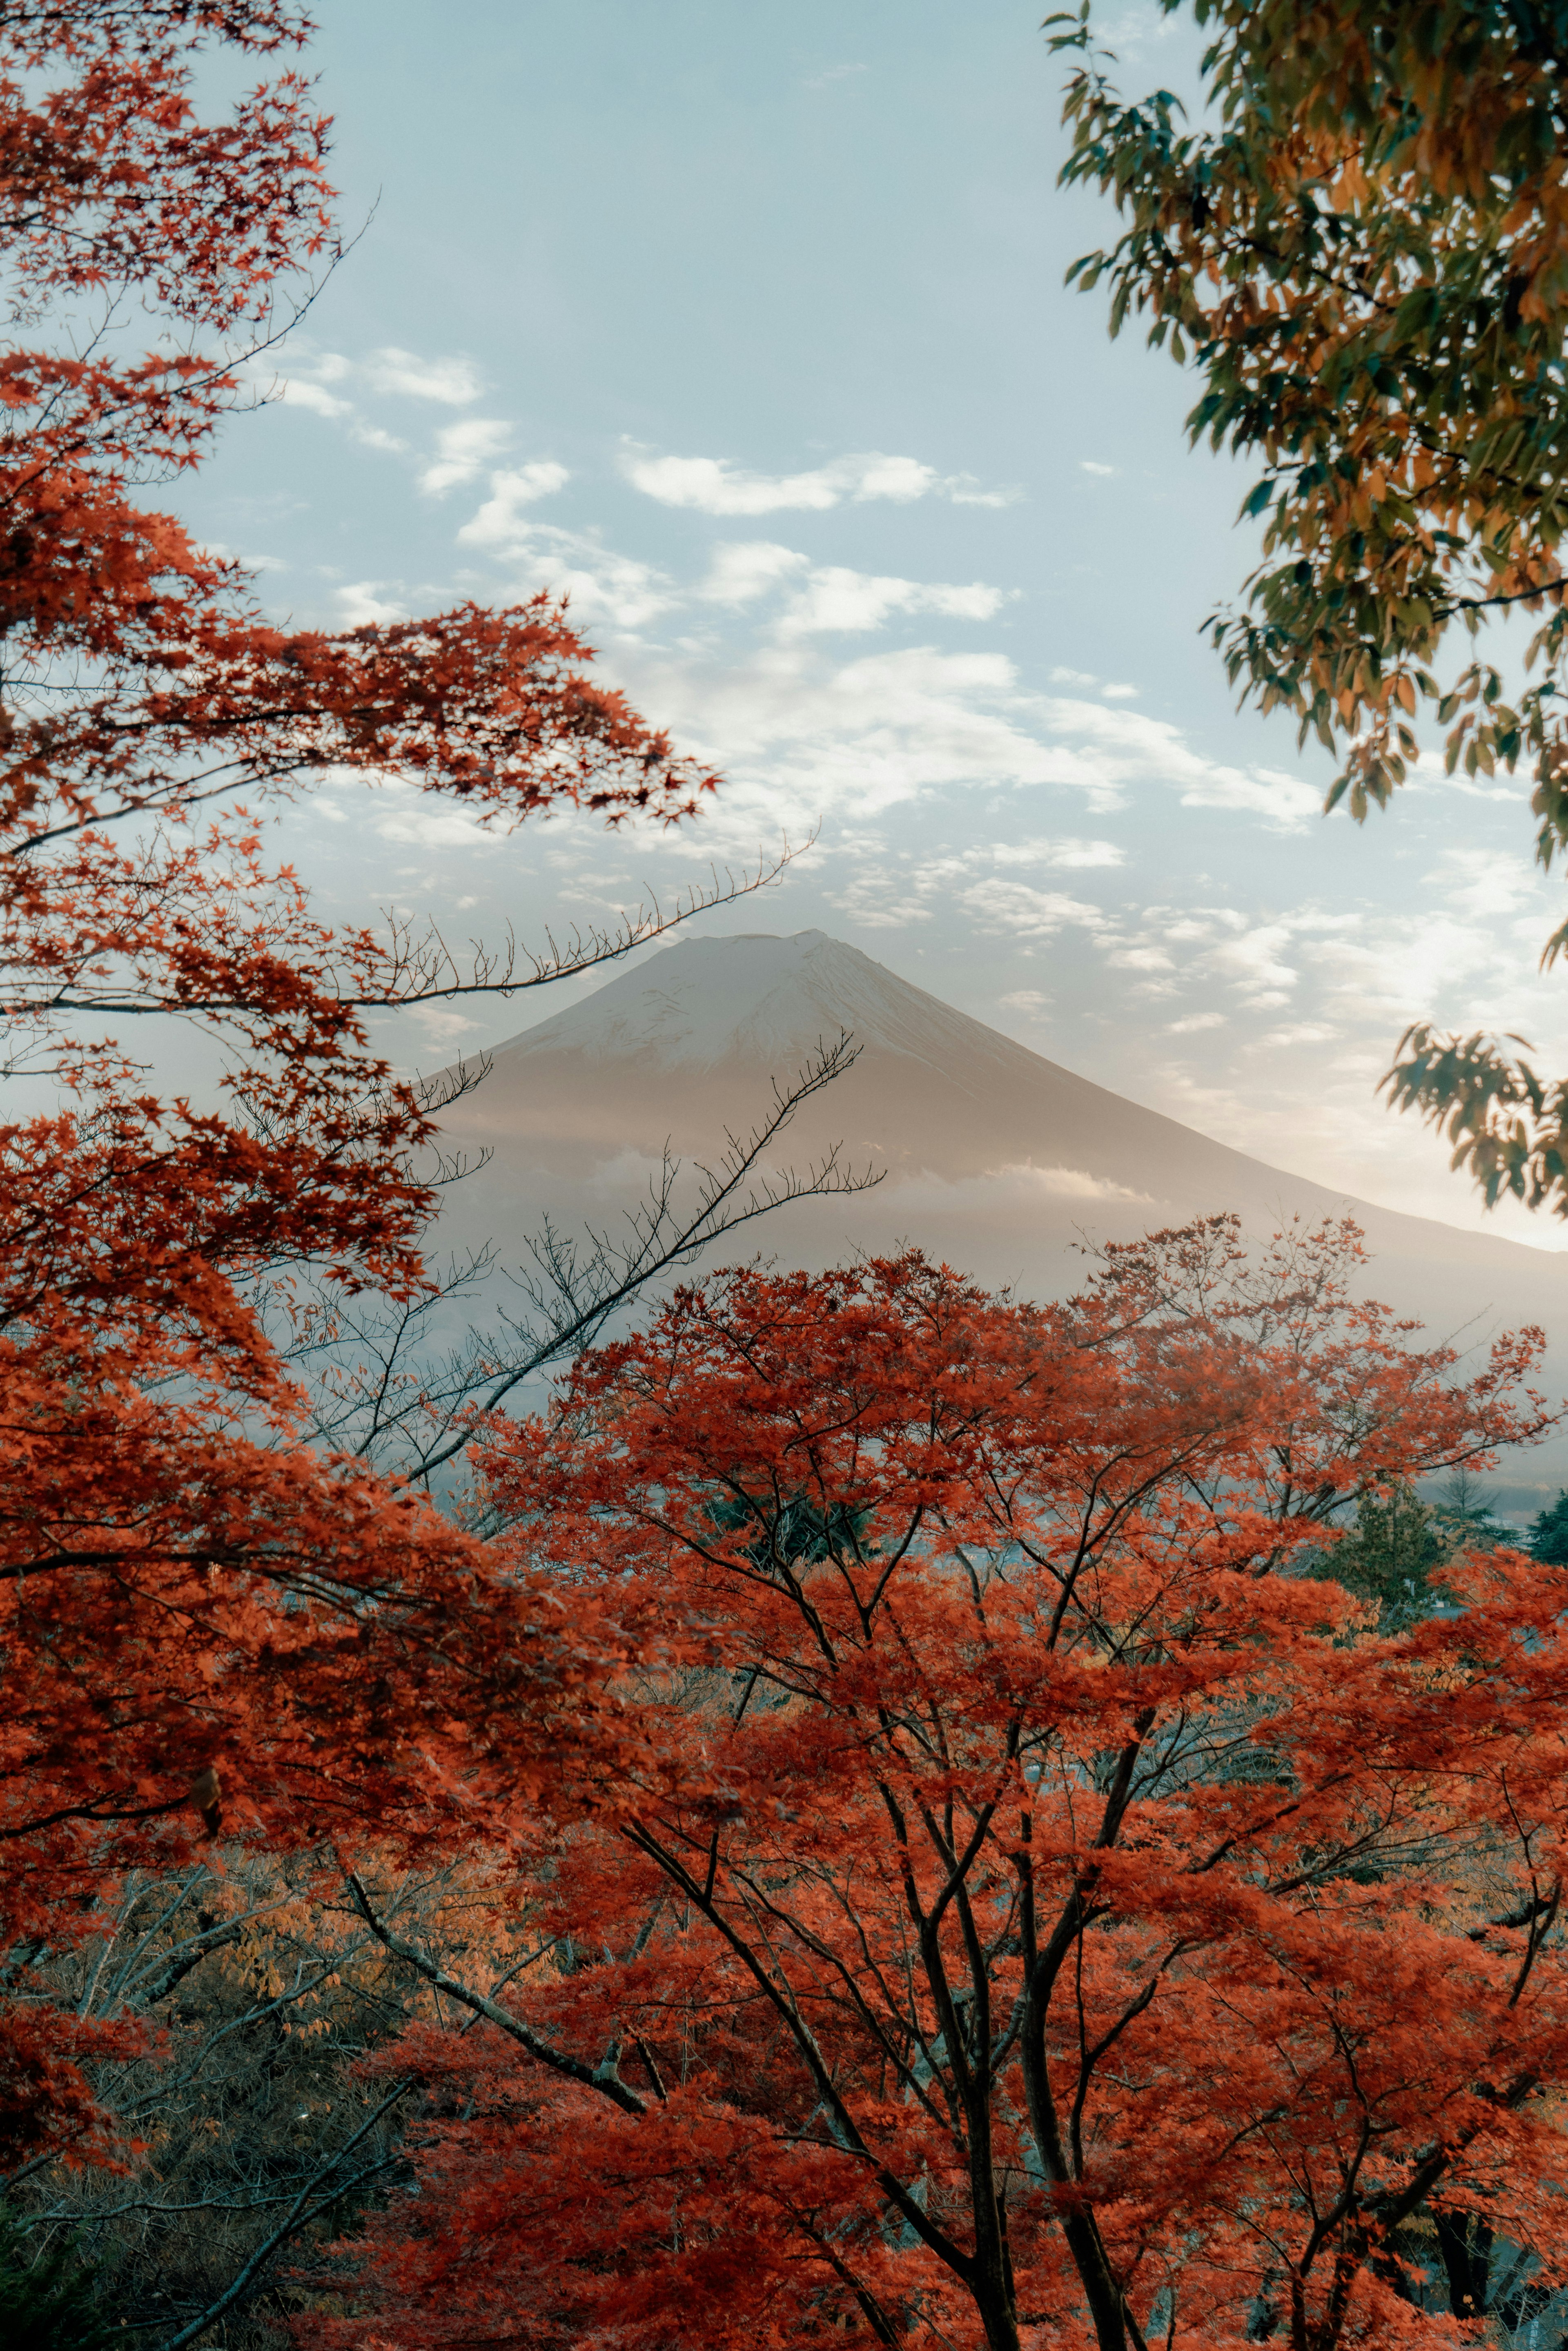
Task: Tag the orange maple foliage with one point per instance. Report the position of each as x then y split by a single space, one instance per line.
1044 1910
203 1618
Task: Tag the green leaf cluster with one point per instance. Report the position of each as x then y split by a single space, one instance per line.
1548 1540
46 2301
1389 1558
794 1527
1364 257
1399 1541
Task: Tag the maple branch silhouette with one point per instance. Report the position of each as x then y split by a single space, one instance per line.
603 2078
575 1297
300 2214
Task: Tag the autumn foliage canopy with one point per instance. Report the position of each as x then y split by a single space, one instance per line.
190 1591
1032 1903
970 1873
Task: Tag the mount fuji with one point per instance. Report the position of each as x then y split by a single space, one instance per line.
996 1159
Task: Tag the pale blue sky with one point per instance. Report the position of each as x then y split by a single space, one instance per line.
745 322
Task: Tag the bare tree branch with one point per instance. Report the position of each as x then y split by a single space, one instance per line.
377 1392
301 2212
603 2078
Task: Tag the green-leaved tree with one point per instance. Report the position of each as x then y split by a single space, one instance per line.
1548 1534
1364 257
46 2301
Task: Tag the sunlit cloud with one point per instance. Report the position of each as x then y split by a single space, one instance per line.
372 436
715 485
835 598
1129 742
602 584
451 380
463 449
363 603
1028 912
303 392
981 879
500 522
745 568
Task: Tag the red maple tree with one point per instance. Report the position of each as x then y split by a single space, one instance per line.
1038 1906
202 1616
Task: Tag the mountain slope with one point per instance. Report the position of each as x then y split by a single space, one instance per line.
994 1158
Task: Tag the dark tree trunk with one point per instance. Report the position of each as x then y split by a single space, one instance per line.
1465 2244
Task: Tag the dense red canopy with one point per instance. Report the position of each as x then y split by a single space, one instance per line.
1038 1907
188 1587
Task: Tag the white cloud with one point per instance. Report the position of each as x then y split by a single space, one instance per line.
498 523
1253 960
1301 1089
370 437
1039 849
1488 884
878 900
884 891
1024 999
1124 743
442 1026
1028 912
463 448
834 597
1353 970
398 813
1080 853
1016 1185
601 584
963 490
363 603
452 380
745 568
299 391
713 485
799 733
1288 801
306 386
1102 473
1076 1183
1302 1032
1475 787
1463 970
323 382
